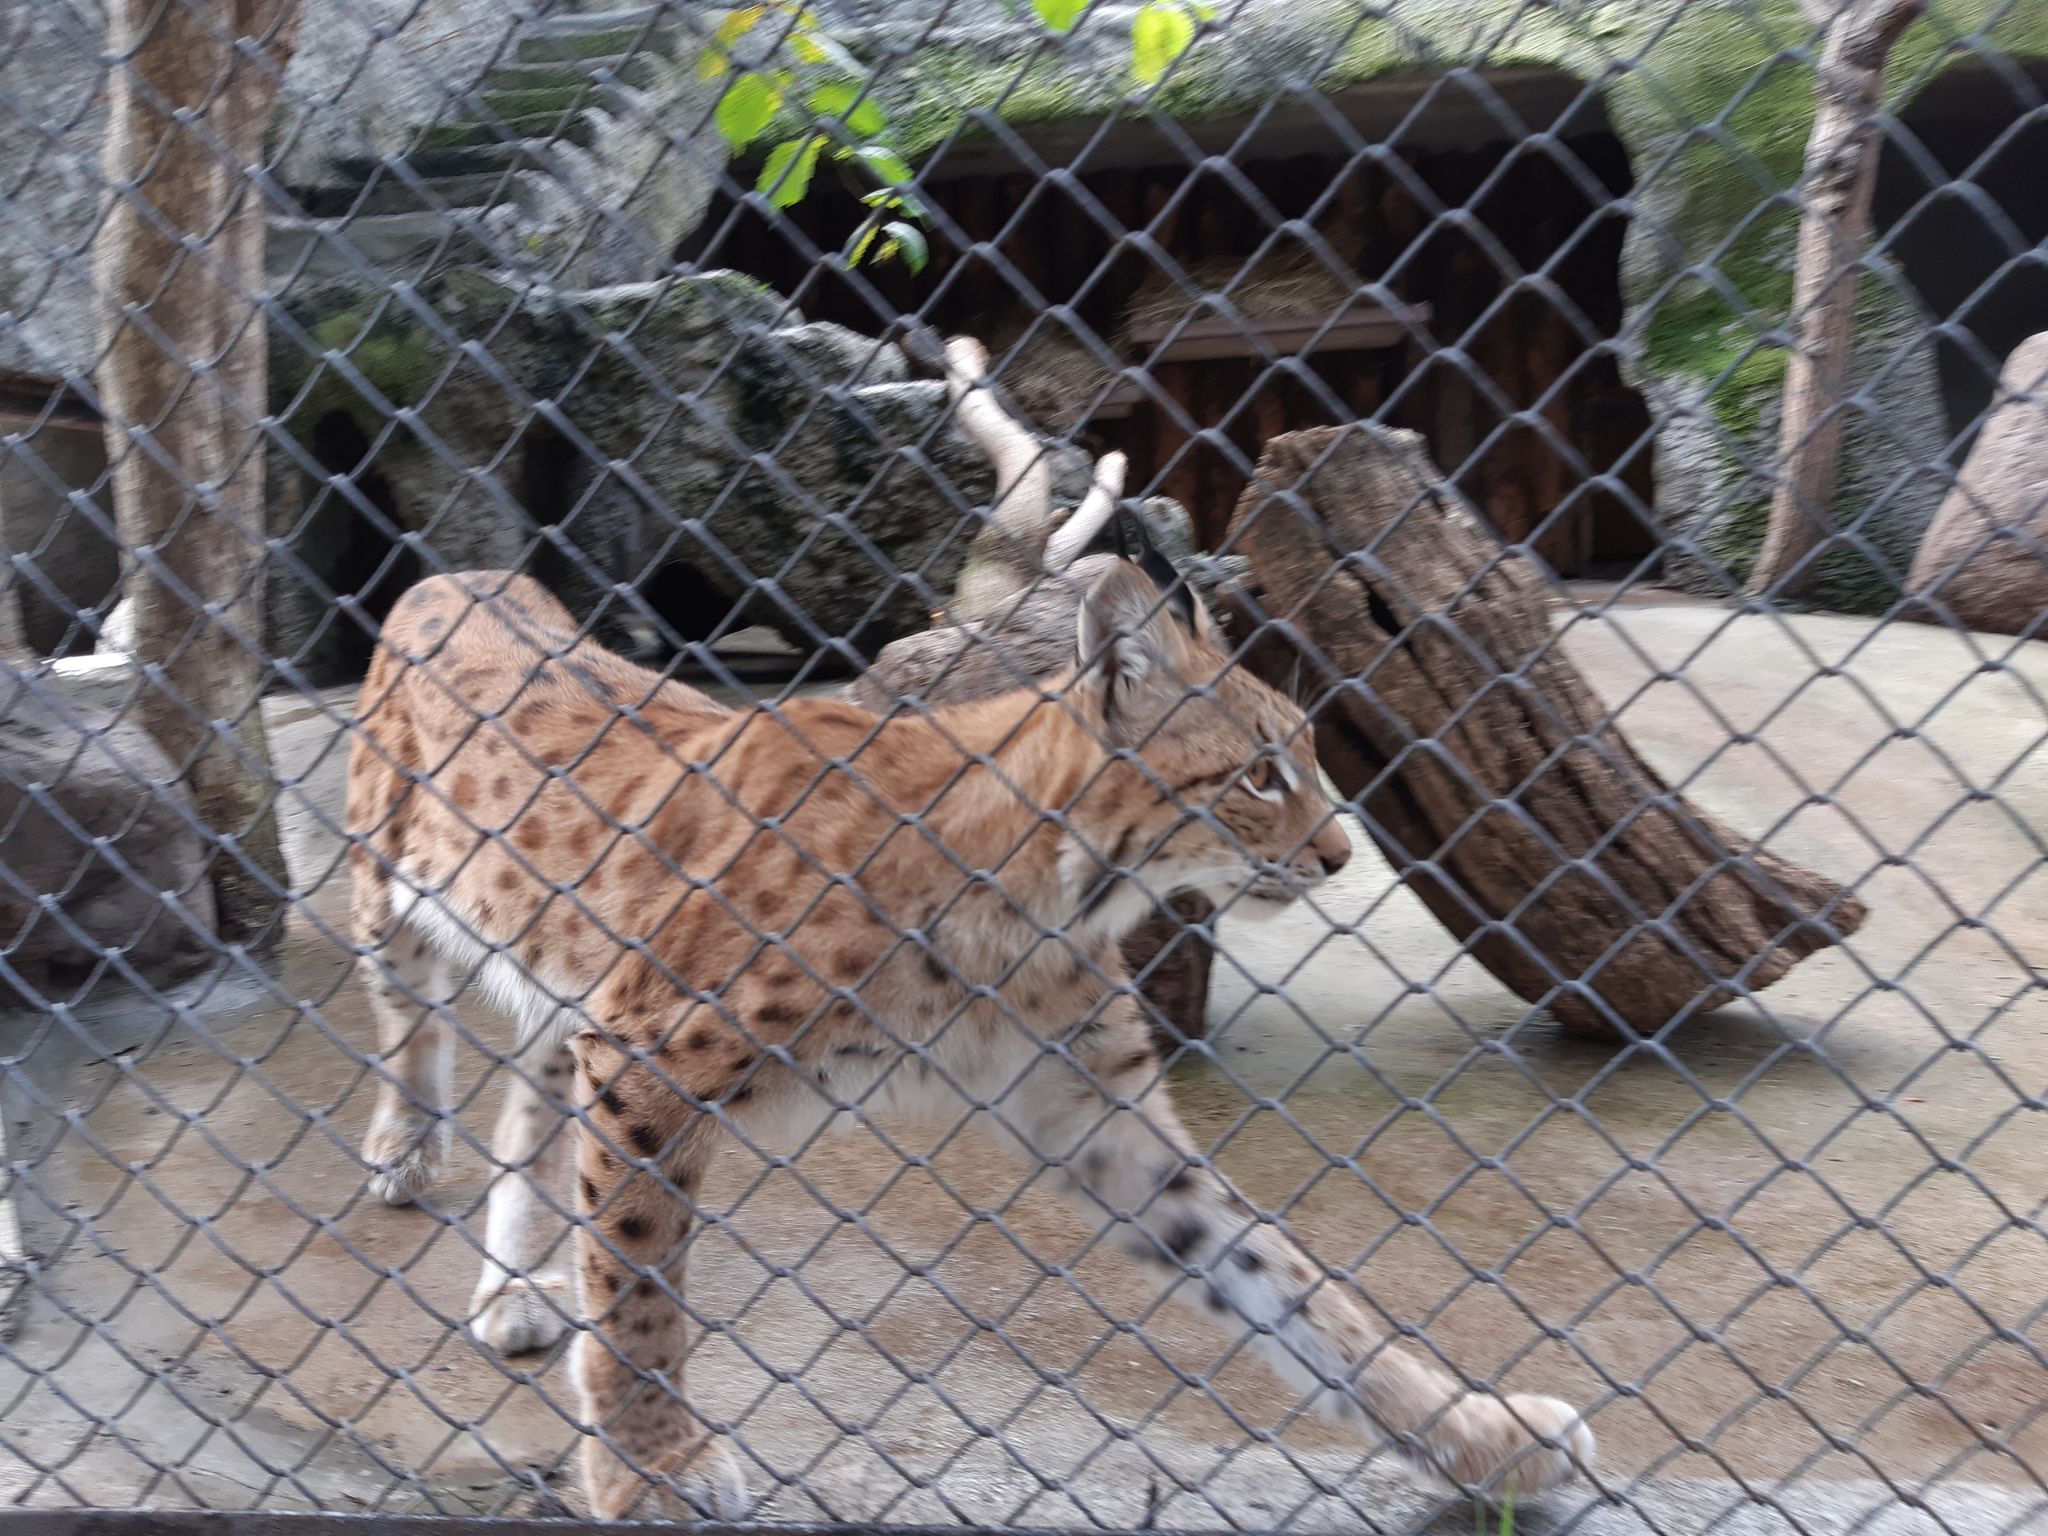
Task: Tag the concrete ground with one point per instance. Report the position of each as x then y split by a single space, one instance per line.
1797 1244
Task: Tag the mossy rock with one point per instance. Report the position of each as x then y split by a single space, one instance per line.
394 354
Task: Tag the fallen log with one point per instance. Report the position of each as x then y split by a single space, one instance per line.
1484 765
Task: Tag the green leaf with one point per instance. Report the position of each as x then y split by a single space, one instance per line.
882 162
844 101
747 107
1059 15
787 176
736 26
908 241
857 246
1160 33
716 59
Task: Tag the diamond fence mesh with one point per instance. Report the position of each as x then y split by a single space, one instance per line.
975 668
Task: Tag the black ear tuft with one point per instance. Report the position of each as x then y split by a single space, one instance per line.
1180 597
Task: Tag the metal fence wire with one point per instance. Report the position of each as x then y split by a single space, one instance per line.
971 668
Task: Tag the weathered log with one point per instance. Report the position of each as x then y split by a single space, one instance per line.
1485 766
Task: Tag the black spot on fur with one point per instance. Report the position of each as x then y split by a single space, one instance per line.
867 1051
701 1040
1248 1261
632 1228
741 1094
1216 1300
611 1101
1181 1180
590 1193
1182 1237
934 969
644 1140
777 1015
1137 1061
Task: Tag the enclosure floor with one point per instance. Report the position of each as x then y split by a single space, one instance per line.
1751 1228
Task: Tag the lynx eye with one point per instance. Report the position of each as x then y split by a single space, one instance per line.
1269 778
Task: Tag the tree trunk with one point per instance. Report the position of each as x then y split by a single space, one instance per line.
13 636
183 382
1841 170
1484 766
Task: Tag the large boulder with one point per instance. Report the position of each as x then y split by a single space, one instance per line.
1985 557
103 854
695 439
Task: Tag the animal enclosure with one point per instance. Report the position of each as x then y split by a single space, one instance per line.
1023 767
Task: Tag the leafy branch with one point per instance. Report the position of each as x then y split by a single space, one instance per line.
847 123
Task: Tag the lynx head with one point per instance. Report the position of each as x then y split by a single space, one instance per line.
1212 784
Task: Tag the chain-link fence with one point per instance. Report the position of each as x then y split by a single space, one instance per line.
971 668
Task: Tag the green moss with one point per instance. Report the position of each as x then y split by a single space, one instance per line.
395 359
1750 385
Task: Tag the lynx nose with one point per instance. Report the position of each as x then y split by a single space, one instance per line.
1332 847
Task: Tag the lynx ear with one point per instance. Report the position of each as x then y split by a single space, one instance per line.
1132 643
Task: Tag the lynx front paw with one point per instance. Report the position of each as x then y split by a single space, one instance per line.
525 1314
703 1483
1515 1444
405 1159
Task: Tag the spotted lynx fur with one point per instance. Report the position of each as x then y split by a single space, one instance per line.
707 919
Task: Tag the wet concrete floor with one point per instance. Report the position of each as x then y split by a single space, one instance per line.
1798 1242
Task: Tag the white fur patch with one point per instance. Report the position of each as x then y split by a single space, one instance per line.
504 982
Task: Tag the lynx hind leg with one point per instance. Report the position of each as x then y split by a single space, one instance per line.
410 986
1132 1165
646 1455
526 1296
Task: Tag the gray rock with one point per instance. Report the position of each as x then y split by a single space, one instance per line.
366 74
1985 557
53 103
758 468
103 857
56 518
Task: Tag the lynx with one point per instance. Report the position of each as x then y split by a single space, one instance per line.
709 921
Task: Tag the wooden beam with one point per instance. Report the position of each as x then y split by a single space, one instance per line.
33 401
1214 337
1363 328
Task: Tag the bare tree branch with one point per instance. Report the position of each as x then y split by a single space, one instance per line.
1841 171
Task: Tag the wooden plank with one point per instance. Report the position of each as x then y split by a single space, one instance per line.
1363 328
1213 337
30 400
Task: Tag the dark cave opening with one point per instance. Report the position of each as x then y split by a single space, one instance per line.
1962 204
